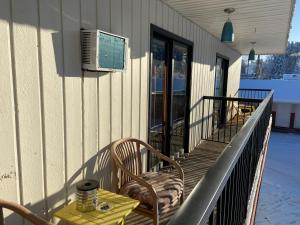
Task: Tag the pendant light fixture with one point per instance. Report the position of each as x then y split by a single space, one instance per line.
227 32
252 52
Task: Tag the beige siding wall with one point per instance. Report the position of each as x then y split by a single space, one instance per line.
56 122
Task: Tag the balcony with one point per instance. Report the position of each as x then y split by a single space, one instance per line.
222 173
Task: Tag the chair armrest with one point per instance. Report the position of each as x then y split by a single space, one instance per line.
22 211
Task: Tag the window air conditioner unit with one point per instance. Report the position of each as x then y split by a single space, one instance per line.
102 51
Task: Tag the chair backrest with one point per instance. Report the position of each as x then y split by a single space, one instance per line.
22 211
127 152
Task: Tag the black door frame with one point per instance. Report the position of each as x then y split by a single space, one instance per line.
225 68
159 33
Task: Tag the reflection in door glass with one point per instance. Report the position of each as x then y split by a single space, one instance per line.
178 101
158 96
219 91
219 78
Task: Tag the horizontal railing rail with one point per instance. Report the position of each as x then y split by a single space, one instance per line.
221 196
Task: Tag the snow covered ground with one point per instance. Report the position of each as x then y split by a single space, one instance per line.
279 201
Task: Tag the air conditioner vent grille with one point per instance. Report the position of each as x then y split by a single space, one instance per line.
88 53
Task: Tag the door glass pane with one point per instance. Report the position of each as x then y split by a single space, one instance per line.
219 78
158 95
178 97
218 91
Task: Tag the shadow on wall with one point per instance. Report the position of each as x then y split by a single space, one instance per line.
195 125
98 167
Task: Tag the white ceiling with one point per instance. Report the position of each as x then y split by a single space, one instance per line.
271 18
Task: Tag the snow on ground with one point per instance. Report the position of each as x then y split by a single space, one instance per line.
279 201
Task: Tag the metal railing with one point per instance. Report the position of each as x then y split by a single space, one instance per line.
252 93
222 117
221 196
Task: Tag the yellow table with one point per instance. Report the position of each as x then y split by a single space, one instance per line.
121 207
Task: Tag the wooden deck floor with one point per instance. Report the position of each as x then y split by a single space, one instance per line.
198 163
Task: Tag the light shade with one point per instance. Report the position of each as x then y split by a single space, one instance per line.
227 33
251 55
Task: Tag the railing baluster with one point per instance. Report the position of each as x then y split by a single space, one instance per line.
218 121
213 121
224 107
228 202
202 136
237 118
208 116
207 120
219 210
230 125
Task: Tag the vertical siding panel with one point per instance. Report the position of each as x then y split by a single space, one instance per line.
29 108
206 74
184 28
207 64
159 13
152 11
176 23
104 104
144 83
116 79
145 44
52 71
193 90
198 80
179 25
201 86
136 65
171 19
127 32
191 84
209 73
165 16
212 63
72 91
206 85
90 101
201 78
8 160
198 87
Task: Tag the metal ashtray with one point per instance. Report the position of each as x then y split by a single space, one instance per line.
104 207
86 195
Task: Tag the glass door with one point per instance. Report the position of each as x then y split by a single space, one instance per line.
219 79
220 90
158 94
169 95
178 97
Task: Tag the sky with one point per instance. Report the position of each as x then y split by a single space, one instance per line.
295 31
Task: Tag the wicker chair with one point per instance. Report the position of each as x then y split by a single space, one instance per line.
157 191
22 211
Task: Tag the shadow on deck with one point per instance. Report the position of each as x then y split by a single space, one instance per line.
195 167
